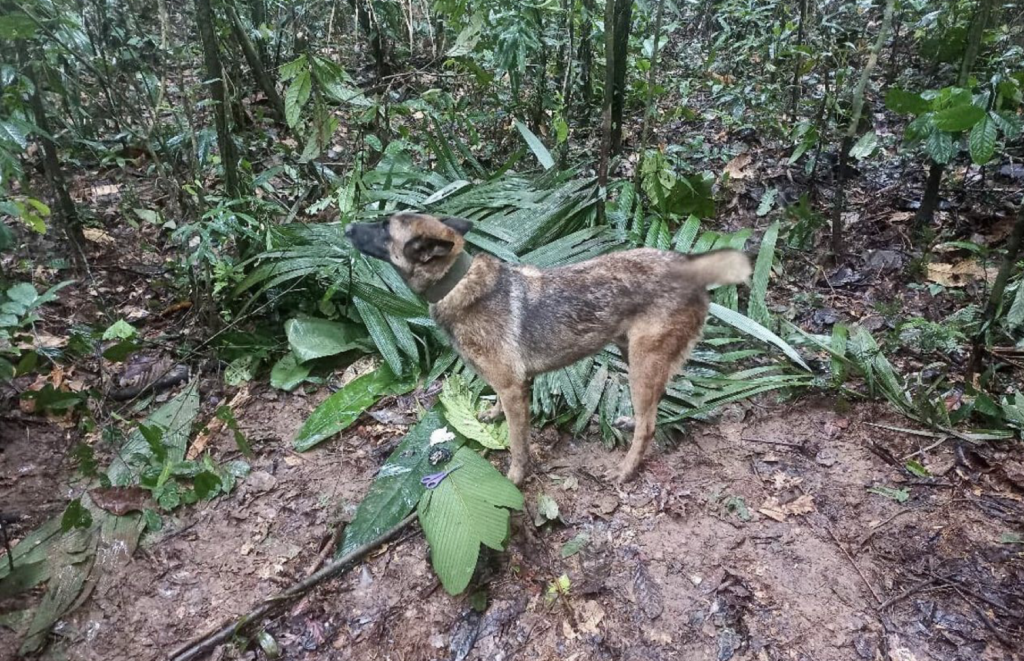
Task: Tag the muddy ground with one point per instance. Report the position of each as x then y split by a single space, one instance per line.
755 538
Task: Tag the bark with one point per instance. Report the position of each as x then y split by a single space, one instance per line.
586 54
255 62
851 131
215 76
798 61
620 51
606 112
67 214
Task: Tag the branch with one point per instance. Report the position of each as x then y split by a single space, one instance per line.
197 647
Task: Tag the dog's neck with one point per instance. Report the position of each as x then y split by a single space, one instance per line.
435 292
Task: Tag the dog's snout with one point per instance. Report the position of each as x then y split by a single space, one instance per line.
349 230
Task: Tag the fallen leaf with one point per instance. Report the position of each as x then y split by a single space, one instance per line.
779 512
98 236
958 274
121 500
606 504
103 191
589 616
735 167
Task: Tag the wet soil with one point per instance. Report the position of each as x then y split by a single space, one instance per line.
754 538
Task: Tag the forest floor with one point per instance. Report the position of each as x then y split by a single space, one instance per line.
755 537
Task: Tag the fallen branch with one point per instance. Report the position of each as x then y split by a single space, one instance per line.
197 647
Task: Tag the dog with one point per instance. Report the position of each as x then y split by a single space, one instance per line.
511 322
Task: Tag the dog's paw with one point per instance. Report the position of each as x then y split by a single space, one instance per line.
625 423
516 474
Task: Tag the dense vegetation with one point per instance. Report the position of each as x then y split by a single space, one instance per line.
207 155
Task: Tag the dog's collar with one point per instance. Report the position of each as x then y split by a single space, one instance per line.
435 292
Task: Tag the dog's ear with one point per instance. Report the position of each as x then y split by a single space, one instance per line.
422 249
460 225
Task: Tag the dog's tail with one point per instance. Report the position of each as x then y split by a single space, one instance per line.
718 267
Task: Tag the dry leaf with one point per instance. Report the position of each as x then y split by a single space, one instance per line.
735 167
98 236
959 273
589 616
773 510
216 425
121 500
103 191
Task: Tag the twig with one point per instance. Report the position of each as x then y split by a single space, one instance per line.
196 648
864 540
927 449
798 446
916 587
989 624
832 534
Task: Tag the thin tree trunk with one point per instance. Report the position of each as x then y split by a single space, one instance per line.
620 51
930 200
569 54
67 214
851 131
258 15
255 62
798 61
215 76
586 54
995 299
542 76
649 106
606 110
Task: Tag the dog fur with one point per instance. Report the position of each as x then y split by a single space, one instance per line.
513 322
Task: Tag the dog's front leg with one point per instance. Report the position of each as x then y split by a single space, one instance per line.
515 400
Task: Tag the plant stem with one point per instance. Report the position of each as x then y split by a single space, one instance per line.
995 298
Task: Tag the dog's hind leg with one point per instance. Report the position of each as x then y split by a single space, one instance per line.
656 350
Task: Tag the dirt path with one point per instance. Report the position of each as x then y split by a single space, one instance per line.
683 564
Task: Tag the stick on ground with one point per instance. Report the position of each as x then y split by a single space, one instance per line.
204 644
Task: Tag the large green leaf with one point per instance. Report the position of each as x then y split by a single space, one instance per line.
343 407
983 141
174 420
757 308
756 330
538 148
296 97
312 338
461 413
939 147
469 508
958 118
906 103
397 488
288 372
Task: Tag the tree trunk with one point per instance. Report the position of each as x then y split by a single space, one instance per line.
620 51
215 76
586 54
606 111
995 299
542 76
67 214
649 106
851 132
255 62
258 15
930 201
798 61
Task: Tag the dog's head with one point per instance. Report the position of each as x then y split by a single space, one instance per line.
421 247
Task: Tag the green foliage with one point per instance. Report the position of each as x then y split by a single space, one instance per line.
461 413
469 508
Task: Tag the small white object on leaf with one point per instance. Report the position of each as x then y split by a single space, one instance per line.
441 435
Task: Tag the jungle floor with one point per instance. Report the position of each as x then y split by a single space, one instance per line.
754 538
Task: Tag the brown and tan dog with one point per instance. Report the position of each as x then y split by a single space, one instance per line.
513 322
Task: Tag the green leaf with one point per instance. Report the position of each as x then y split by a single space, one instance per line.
206 484
899 495
574 545
693 195
767 201
23 293
469 508
918 469
296 97
119 330
939 147
241 370
460 412
10 132
16 26
291 69
538 148
906 103
958 118
345 406
561 130
865 147
174 419
397 488
288 372
983 141
757 308
547 510
756 330
311 338
75 516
